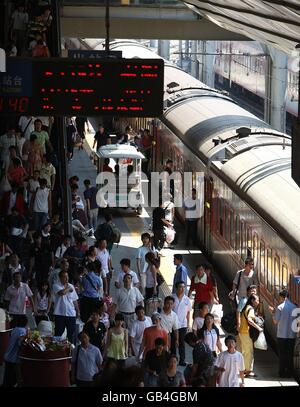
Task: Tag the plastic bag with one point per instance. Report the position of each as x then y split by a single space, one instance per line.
217 311
170 234
261 342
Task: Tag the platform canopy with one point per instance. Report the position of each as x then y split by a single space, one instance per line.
270 21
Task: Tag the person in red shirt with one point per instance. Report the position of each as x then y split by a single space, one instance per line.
106 167
152 333
17 173
202 284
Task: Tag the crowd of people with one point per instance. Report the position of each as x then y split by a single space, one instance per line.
29 29
127 334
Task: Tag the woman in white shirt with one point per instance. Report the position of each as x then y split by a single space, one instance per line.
209 333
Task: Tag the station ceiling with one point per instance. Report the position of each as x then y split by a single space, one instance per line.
270 21
276 22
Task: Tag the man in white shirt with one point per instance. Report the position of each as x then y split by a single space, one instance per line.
27 126
125 266
60 251
65 307
105 259
141 264
137 330
86 361
182 308
54 274
127 299
16 295
40 205
230 365
170 322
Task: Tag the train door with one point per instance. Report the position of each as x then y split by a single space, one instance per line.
208 190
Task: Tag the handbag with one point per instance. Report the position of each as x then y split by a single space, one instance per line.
159 278
253 332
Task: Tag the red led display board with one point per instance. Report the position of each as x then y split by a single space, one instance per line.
68 87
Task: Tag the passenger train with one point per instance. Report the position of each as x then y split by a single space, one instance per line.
251 202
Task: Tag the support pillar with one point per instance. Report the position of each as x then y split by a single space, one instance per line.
275 88
194 60
179 63
209 49
164 49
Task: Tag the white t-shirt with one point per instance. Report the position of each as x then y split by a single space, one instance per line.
127 300
103 257
64 304
41 200
17 298
168 207
169 321
233 363
211 339
23 122
192 208
137 330
181 308
198 323
121 275
141 253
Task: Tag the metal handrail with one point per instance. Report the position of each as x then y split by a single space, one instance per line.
45 360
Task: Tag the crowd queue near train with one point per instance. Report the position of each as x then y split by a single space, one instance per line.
64 279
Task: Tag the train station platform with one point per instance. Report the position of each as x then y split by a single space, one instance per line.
132 225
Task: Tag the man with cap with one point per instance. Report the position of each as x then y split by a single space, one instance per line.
151 333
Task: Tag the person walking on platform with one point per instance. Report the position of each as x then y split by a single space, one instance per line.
181 273
127 299
117 342
137 330
65 307
86 361
202 284
286 336
151 288
151 333
182 308
191 217
92 208
247 319
158 223
170 322
141 263
230 365
241 282
91 285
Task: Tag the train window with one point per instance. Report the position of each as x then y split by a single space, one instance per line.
269 270
227 225
232 240
262 262
284 276
277 286
237 235
221 216
249 242
255 251
243 239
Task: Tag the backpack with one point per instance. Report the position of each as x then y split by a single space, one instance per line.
228 323
104 231
116 233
